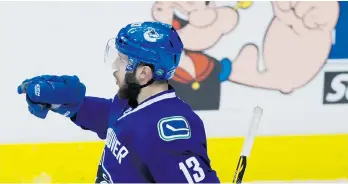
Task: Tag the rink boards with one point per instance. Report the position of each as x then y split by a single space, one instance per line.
273 158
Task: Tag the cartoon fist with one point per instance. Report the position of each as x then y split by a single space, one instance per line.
296 46
307 17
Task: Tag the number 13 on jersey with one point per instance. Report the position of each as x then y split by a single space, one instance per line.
192 164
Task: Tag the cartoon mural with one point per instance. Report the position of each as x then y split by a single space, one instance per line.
296 45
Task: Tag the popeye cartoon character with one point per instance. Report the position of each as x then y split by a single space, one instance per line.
200 25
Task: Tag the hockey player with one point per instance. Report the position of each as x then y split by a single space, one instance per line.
151 135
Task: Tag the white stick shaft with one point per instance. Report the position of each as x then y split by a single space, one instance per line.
254 124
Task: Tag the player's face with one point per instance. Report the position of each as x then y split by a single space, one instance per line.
129 86
119 68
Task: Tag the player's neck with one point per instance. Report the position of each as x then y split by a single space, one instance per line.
151 90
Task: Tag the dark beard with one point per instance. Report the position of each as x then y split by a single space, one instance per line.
130 90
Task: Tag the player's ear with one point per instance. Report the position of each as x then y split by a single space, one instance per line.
144 74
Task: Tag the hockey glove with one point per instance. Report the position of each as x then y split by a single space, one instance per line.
61 94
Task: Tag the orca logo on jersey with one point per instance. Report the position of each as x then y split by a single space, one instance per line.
115 146
173 128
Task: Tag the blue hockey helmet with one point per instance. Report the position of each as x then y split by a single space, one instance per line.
152 43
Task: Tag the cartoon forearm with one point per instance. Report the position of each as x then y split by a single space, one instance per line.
244 70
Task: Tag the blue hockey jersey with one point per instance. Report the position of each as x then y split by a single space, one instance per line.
162 140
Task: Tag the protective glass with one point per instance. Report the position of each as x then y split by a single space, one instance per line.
112 57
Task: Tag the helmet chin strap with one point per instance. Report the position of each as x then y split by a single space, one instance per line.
134 102
148 83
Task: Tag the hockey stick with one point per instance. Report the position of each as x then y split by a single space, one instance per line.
248 144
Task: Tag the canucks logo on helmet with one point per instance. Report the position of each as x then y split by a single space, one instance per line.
151 35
